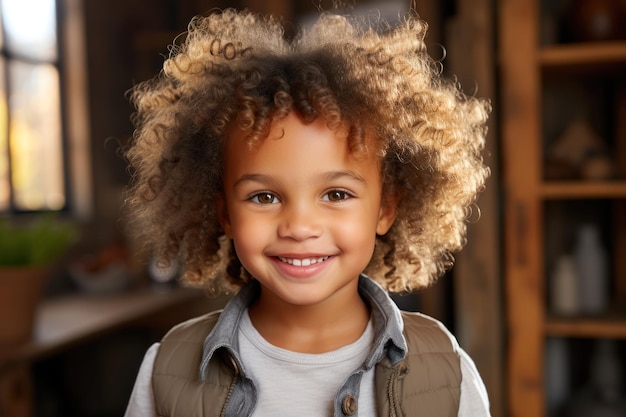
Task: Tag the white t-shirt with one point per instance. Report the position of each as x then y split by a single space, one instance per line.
290 368
280 374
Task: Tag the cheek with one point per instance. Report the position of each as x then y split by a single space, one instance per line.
248 233
356 232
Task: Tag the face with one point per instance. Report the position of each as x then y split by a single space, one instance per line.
302 212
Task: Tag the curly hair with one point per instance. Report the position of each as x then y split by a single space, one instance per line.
238 68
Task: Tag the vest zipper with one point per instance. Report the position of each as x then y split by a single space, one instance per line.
230 392
231 387
391 393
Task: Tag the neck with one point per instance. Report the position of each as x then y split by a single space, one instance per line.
323 327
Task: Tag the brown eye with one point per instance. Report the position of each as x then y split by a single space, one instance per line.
337 195
264 198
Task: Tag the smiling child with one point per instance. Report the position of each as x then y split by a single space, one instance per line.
287 170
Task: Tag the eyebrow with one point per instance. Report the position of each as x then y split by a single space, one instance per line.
327 176
335 175
253 178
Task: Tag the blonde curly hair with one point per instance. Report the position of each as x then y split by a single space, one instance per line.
236 67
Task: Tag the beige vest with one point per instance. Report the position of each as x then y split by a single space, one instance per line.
426 383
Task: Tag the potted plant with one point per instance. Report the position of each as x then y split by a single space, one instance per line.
27 252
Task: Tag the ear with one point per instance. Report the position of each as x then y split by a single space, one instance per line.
386 214
222 216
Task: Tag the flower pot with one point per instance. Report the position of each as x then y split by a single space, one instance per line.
21 289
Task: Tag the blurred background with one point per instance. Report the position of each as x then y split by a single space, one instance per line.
537 297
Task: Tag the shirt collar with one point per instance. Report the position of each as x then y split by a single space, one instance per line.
388 325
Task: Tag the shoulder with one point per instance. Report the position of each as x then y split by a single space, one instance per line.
426 334
185 340
194 329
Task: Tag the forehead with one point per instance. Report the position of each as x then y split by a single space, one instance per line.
293 146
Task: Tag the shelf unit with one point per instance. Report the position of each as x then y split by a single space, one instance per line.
527 70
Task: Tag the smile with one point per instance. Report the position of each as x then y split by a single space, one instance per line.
303 262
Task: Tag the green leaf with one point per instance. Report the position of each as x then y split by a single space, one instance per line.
39 242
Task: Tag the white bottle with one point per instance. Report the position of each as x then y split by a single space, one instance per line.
564 298
592 270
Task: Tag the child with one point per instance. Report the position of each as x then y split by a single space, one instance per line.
284 170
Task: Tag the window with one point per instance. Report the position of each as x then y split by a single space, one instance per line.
38 151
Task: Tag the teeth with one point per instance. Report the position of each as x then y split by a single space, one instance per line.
303 262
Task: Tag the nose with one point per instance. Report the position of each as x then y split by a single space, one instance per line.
300 221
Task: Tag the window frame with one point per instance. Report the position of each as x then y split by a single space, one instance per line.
71 66
75 104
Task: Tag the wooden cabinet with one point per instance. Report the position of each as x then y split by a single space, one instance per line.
550 85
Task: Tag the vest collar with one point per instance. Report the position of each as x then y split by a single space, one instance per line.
388 326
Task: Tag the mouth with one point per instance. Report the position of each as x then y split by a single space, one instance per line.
303 261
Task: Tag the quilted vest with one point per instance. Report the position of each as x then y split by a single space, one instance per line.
426 383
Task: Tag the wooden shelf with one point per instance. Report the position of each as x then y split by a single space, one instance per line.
67 321
583 190
544 88
583 54
613 327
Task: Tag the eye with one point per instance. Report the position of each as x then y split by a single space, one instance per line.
336 195
264 198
